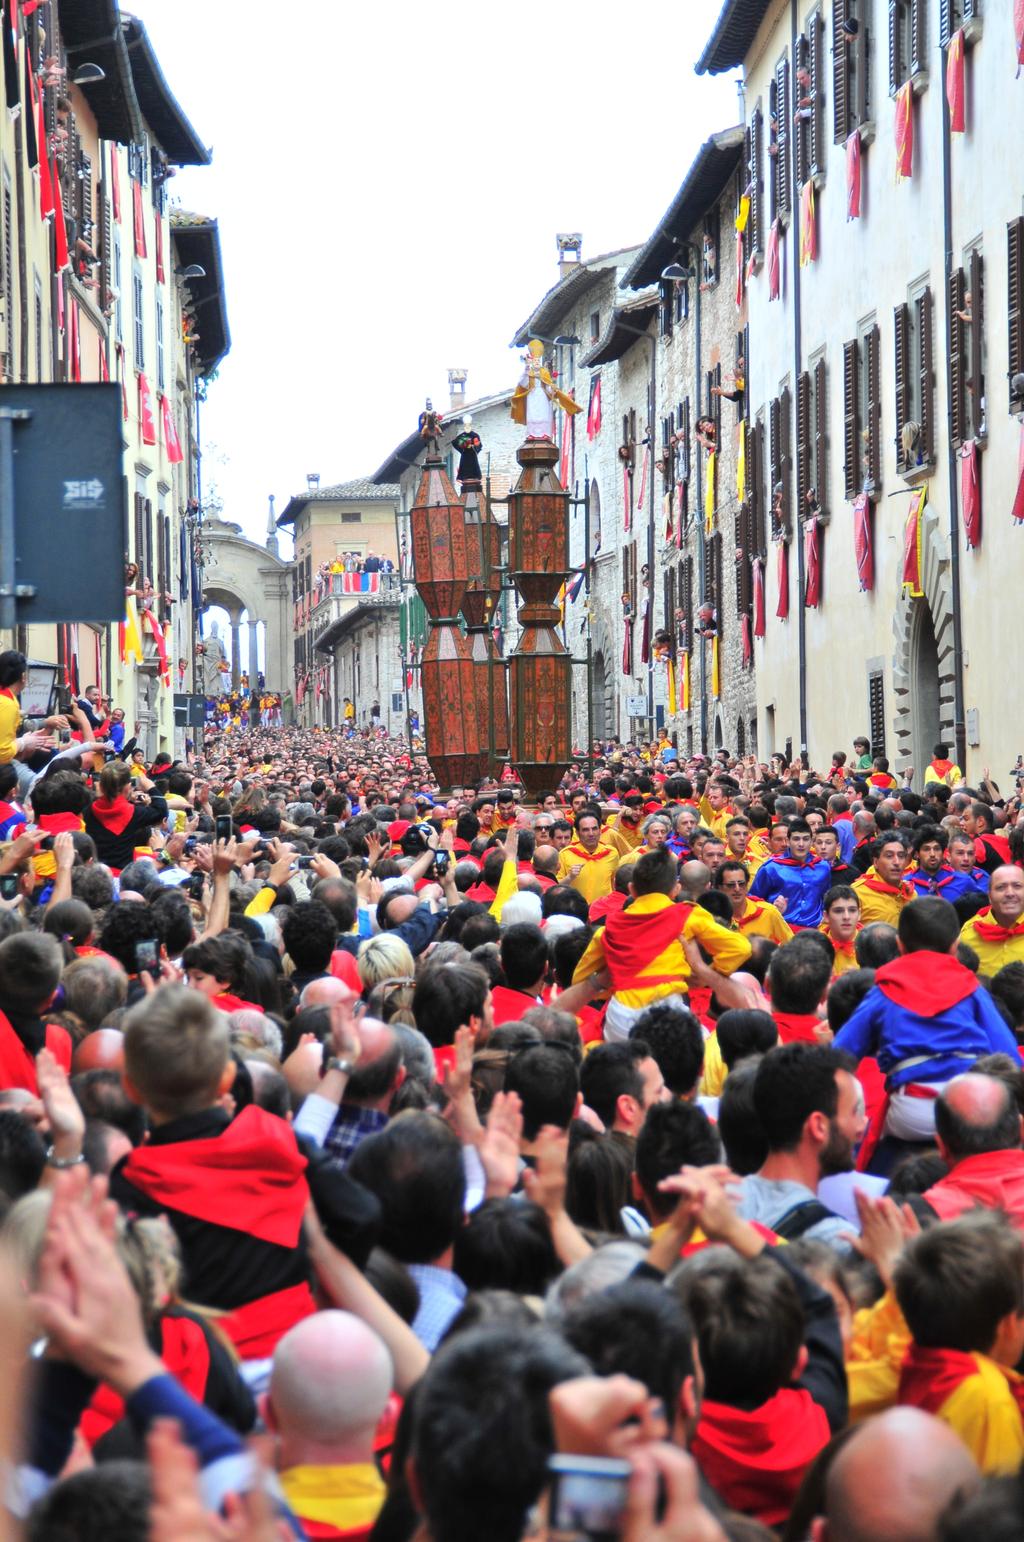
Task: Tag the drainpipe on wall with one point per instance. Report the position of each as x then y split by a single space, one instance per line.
801 619
699 519
959 717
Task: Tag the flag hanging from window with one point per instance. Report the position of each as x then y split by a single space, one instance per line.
773 261
46 206
782 575
1017 511
668 509
172 444
60 229
808 225
684 683
970 492
128 635
139 218
679 521
1018 32
645 631
955 91
812 565
741 465
913 568
904 129
147 422
759 624
716 672
709 492
115 184
670 676
565 465
739 269
594 408
853 175
863 542
644 466
627 499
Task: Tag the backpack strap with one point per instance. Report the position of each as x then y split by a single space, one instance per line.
800 1218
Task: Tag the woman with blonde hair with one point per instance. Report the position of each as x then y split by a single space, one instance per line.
384 957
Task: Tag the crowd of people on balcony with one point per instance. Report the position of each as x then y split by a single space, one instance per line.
324 581
670 1118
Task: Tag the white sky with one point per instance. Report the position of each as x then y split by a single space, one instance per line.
389 180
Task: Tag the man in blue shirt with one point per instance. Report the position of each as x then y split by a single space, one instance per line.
931 874
796 885
961 857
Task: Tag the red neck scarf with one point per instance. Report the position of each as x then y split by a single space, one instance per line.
751 915
809 861
755 1459
926 983
591 856
54 824
797 1027
250 1178
847 948
930 1377
114 814
878 885
991 931
633 942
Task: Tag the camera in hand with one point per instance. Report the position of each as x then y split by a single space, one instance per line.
223 827
147 954
587 1499
442 861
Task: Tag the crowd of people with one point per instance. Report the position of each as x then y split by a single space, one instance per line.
348 562
232 711
641 1160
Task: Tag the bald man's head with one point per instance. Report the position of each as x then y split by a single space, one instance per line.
976 1114
330 1383
695 878
102 1050
893 1479
325 992
379 1071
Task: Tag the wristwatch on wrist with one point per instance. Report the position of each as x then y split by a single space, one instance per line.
334 1063
62 1163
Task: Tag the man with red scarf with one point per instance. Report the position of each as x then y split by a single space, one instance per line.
116 824
234 1189
924 1020
997 933
796 884
882 891
990 850
30 969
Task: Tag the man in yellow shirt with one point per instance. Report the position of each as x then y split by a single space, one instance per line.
715 808
840 925
623 831
656 830
754 918
642 947
587 864
997 933
882 892
738 845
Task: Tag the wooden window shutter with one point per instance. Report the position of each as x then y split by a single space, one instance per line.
851 435
161 573
803 441
774 459
957 382
687 605
782 116
1015 298
876 712
755 469
918 37
716 559
977 276
801 125
821 435
901 324
140 539
972 8
756 183
894 46
874 423
147 514
815 67
685 428
945 22
840 75
743 554
105 247
786 458
927 377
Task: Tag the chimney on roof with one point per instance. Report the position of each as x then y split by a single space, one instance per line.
457 389
272 546
570 251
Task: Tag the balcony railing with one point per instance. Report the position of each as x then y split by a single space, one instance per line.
340 594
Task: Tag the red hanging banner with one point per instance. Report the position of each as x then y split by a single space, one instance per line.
812 565
627 649
782 575
904 129
680 490
970 493
955 94
594 408
853 175
565 467
139 218
172 444
1017 511
627 499
773 262
1018 32
147 422
60 229
759 626
863 543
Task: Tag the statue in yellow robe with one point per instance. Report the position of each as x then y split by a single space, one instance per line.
536 396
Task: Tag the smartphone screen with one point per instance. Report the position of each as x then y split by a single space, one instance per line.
588 1498
146 955
223 828
8 886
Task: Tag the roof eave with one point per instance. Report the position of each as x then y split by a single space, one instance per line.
163 113
91 31
732 35
201 244
702 186
620 334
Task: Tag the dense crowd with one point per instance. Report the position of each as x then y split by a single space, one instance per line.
643 1162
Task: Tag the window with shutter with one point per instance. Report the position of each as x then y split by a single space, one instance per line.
901 365
1015 306
7 253
744 555
803 443
851 415
957 372
840 74
756 184
783 198
872 351
140 536
710 241
816 150
716 571
665 308
876 712
775 465
821 438
786 462
976 333
686 629
926 376
802 105
149 569
740 375
755 475
908 57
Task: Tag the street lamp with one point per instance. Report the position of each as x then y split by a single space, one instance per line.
194 270
88 75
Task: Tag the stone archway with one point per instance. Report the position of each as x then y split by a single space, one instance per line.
242 576
923 661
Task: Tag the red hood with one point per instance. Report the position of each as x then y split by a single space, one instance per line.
607 905
926 983
755 1460
114 814
994 1180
